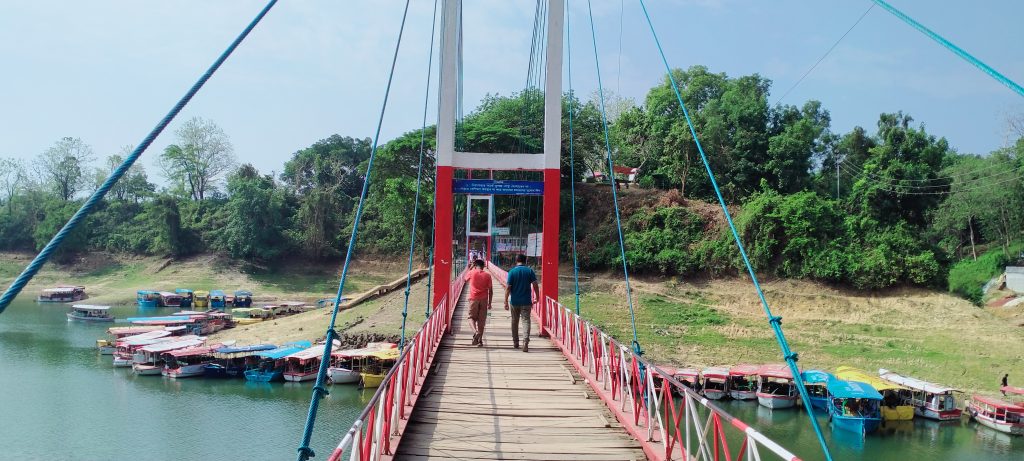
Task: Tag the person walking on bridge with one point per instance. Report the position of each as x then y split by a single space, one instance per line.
522 285
481 295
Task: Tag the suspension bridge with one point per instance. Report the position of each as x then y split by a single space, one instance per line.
579 393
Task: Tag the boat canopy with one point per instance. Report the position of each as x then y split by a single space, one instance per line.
369 350
999 403
1012 390
183 291
687 373
245 349
243 293
60 290
218 293
716 372
147 335
311 353
856 374
180 313
90 307
147 292
775 371
172 345
842 389
125 331
914 383
191 351
385 354
169 318
743 370
666 370
816 376
201 293
285 350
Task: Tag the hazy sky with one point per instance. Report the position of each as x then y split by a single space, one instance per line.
106 71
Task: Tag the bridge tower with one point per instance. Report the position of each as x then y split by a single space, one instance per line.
449 160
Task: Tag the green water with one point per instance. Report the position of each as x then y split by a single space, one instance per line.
60 399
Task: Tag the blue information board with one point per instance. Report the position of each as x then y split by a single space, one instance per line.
497 187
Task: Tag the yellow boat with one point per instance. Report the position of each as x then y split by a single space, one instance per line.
376 366
890 393
247 321
201 298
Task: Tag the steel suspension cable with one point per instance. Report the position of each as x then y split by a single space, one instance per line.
611 173
775 321
87 207
305 452
952 47
572 160
419 181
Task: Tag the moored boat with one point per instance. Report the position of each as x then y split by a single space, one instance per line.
232 361
304 365
854 406
154 354
743 382
90 313
689 377
893 409
61 294
188 362
816 383
186 297
346 365
106 347
169 299
147 298
929 400
775 387
375 366
715 382
243 298
217 300
1000 415
271 362
201 298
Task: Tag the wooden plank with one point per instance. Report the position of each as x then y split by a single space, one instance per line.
496 402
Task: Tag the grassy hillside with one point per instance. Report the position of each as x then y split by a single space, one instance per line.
923 333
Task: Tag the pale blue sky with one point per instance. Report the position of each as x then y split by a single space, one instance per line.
107 71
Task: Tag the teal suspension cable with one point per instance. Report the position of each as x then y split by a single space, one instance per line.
305 452
611 174
419 177
775 321
952 47
572 161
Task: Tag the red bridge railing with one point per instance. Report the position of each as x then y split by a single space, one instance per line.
643 397
377 430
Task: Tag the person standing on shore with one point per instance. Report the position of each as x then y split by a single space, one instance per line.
522 285
1006 378
481 295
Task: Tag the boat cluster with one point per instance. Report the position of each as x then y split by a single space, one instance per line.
854 399
185 297
170 351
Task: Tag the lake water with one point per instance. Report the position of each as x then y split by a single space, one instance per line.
60 399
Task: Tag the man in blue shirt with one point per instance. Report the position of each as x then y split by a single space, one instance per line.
522 286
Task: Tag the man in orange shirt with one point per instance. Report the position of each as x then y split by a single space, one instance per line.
481 294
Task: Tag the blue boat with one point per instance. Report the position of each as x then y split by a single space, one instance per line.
217 299
816 382
233 361
148 298
243 298
855 406
186 296
271 365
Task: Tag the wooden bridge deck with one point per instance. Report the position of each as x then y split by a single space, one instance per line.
496 402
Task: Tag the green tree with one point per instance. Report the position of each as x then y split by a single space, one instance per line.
257 212
202 155
62 166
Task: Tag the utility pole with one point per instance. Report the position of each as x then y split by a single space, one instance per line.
837 178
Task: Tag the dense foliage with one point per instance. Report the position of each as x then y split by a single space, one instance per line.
871 208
